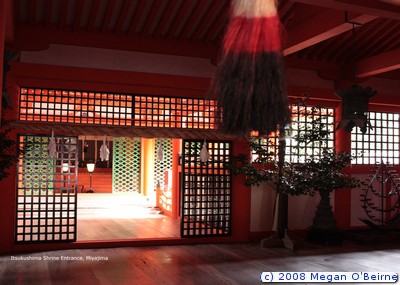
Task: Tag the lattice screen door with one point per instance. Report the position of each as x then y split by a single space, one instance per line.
126 164
205 190
46 190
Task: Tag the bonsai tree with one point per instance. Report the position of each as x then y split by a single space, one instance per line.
324 175
320 173
7 153
8 146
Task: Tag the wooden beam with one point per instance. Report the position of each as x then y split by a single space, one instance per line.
32 12
47 12
117 131
78 15
217 25
63 14
29 38
153 17
107 18
378 64
3 17
212 12
93 14
162 25
122 17
193 20
370 7
185 9
140 9
318 29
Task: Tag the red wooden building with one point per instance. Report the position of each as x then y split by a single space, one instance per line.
136 74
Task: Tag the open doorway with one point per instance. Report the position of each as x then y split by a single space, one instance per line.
128 196
54 204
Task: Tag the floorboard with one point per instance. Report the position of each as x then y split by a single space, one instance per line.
121 216
192 264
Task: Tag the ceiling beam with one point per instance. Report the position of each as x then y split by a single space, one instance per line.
152 18
34 38
93 13
47 12
107 17
378 64
317 29
78 15
370 7
122 17
138 14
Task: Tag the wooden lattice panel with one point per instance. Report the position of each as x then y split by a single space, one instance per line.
46 190
174 112
160 167
101 108
205 190
379 144
70 106
126 165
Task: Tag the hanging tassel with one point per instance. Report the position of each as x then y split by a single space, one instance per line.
249 80
160 152
52 145
204 154
104 152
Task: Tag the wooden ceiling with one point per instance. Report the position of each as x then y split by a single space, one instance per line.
319 33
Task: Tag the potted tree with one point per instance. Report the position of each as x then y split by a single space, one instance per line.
320 173
323 175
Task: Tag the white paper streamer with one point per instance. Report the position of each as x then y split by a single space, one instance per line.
52 145
204 154
160 152
104 152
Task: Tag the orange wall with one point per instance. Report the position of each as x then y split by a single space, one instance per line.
35 75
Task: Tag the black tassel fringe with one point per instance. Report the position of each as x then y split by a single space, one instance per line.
251 93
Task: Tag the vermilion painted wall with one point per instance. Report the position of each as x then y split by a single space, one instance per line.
98 79
34 75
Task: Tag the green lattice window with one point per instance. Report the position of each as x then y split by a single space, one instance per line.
126 165
36 167
160 167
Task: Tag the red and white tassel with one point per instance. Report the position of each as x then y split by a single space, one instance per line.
249 80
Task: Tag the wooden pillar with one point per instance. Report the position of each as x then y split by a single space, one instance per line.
3 16
147 167
241 199
176 148
7 185
342 198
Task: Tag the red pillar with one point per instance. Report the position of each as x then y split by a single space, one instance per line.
241 199
176 148
7 186
2 40
342 198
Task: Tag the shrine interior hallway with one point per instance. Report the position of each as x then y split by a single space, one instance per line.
192 264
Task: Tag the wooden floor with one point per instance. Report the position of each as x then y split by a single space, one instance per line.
121 216
191 264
